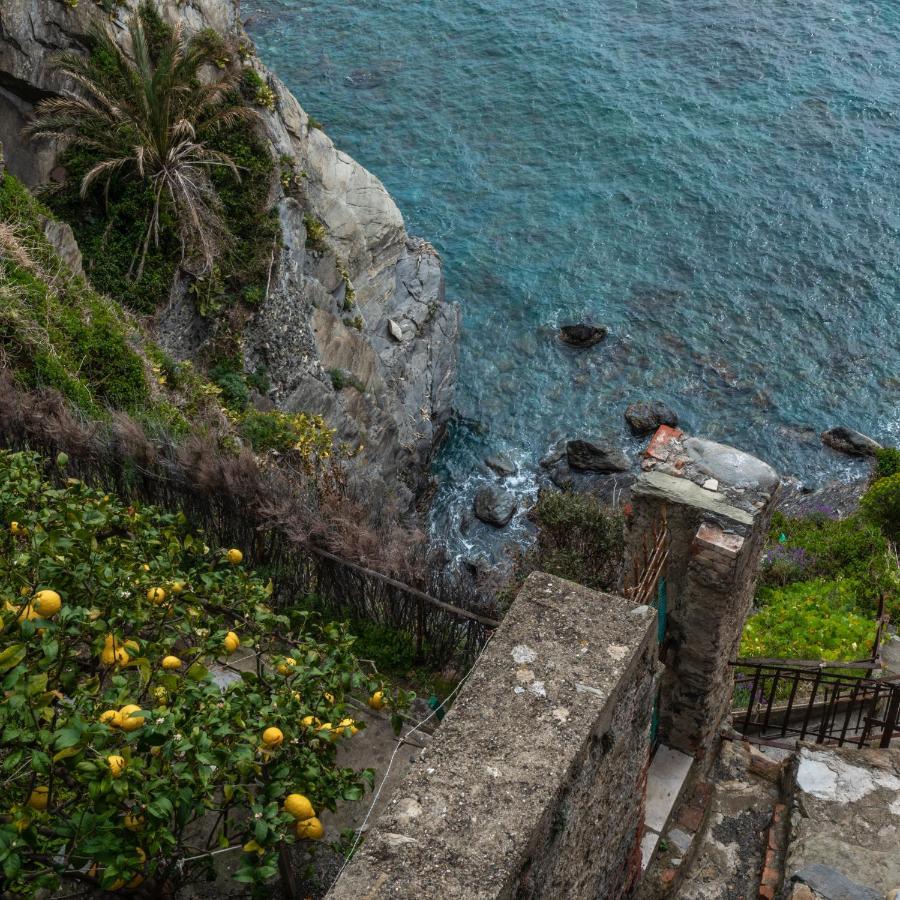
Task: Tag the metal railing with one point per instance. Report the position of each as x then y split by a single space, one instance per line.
791 700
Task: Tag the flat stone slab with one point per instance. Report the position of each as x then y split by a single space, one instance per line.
681 490
731 466
829 884
846 818
666 777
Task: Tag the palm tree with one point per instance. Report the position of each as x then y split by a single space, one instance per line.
149 114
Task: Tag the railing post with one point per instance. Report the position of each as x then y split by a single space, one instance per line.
890 720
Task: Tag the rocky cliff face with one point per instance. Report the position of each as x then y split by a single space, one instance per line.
396 346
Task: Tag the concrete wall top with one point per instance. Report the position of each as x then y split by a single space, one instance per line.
711 477
462 822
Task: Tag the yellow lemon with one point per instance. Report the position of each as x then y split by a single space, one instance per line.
28 613
121 656
24 591
348 725
286 666
376 701
328 696
310 829
310 722
145 567
39 797
156 595
110 717
47 603
234 556
299 807
161 695
16 528
231 642
116 765
177 587
272 737
133 822
171 662
127 720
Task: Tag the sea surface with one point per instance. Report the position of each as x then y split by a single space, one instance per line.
717 181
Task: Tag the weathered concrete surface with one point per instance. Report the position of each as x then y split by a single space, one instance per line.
718 503
846 815
533 785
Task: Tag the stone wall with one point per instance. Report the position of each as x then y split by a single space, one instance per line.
534 784
718 503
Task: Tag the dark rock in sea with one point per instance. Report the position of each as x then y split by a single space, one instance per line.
596 455
846 440
582 335
553 456
494 506
646 416
502 465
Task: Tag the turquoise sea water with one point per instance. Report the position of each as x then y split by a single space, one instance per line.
716 181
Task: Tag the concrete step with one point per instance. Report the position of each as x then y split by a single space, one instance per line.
665 780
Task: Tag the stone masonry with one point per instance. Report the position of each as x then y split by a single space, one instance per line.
718 502
534 784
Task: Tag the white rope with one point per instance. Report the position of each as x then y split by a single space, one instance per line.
400 742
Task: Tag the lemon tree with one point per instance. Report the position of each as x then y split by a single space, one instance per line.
155 707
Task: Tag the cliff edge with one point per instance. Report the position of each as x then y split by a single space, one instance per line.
355 325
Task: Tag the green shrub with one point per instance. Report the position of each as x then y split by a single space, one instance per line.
808 620
116 795
887 462
880 505
315 233
580 538
54 329
235 392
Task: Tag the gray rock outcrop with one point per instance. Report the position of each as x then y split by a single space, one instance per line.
399 339
596 455
846 440
494 506
582 335
644 417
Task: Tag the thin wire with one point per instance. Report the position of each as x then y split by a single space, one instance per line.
400 742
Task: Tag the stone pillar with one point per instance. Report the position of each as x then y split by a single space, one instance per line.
719 503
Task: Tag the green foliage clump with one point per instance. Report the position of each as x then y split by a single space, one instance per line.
852 550
118 794
341 378
880 505
55 331
814 619
887 462
581 539
308 436
316 233
257 90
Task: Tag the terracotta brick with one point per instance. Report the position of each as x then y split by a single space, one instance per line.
770 875
778 812
664 435
770 860
766 892
703 791
773 839
691 818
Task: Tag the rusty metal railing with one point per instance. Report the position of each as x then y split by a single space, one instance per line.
821 702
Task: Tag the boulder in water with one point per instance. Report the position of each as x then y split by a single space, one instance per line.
846 440
596 455
494 506
502 465
645 417
582 335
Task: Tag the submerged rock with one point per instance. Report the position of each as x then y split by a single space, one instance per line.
502 465
596 455
582 335
846 440
494 506
645 417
